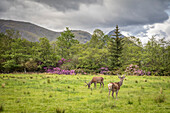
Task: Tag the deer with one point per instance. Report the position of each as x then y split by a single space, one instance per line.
115 87
95 80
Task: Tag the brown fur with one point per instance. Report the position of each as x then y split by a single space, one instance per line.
96 80
115 86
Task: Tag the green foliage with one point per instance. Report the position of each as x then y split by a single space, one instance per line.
115 48
31 65
20 55
45 54
16 54
64 43
132 52
94 53
157 56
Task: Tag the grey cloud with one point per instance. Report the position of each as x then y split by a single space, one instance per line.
4 5
139 12
87 14
66 5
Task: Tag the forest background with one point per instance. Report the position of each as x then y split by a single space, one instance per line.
103 54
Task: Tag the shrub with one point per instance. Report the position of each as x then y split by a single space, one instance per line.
59 70
134 70
104 70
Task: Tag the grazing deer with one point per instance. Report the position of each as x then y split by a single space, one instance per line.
95 80
114 87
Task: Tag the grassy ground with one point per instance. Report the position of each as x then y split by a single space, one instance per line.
28 93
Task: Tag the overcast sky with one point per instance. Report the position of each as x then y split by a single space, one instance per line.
140 18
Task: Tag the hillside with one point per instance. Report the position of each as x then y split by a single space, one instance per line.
33 32
111 33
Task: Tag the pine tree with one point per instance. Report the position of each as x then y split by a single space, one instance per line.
115 49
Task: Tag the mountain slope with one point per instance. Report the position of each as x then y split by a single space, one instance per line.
33 32
111 33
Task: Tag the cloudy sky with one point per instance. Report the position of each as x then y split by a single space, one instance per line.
140 18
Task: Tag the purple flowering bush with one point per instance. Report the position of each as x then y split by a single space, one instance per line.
104 70
134 70
59 70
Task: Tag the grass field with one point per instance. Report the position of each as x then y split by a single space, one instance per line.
42 93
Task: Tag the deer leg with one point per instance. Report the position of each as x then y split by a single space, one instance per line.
102 84
113 94
109 92
95 84
116 93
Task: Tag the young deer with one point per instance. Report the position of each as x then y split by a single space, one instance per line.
114 87
95 80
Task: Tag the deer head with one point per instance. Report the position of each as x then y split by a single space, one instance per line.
121 78
88 84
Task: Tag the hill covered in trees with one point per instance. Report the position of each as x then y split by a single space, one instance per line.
33 32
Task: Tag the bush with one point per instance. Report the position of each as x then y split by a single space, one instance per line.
104 70
134 70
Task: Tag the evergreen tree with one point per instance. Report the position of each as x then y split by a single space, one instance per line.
115 49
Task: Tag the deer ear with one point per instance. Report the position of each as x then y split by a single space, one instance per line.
119 76
86 83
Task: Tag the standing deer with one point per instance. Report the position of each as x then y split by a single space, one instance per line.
114 87
95 80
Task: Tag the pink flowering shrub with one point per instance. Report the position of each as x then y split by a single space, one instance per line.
58 70
104 70
134 70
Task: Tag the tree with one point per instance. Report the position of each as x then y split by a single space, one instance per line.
99 39
17 55
115 48
156 56
92 58
46 56
93 54
132 52
64 43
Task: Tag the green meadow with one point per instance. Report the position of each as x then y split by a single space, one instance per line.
43 93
